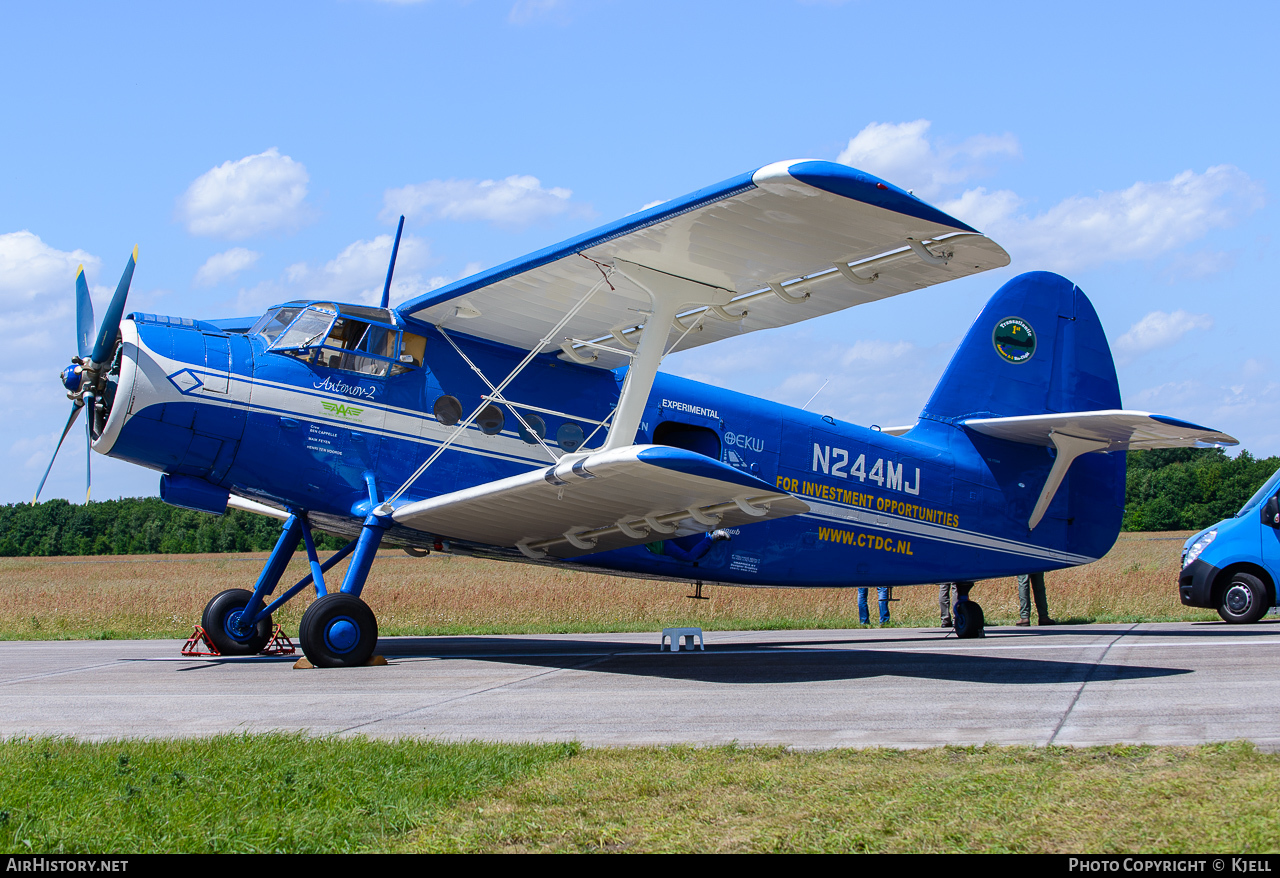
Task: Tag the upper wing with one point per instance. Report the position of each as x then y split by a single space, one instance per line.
788 242
606 500
1116 429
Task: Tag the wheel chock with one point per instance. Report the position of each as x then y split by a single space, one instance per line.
280 644
375 661
196 641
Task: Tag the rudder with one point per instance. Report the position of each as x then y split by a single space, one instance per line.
1037 347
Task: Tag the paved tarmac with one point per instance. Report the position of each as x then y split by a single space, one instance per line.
1180 683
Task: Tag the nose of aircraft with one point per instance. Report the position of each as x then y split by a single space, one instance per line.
86 379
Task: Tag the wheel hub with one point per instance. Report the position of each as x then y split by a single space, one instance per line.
342 635
1239 599
233 626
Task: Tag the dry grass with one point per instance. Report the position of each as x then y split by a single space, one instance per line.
163 596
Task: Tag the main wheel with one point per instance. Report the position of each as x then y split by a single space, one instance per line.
969 619
338 631
1244 599
221 624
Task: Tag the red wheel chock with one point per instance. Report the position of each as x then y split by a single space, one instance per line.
199 644
197 640
280 644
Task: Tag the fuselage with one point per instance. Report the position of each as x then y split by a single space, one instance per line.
303 429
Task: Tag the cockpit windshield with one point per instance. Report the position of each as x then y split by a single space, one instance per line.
274 322
349 338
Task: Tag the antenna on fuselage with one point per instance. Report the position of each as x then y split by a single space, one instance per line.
815 394
391 269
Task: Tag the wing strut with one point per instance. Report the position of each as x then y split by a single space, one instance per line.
668 296
387 505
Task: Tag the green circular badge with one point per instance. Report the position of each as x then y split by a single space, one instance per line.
1014 339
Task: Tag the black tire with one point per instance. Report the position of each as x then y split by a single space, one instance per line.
1244 599
218 623
338 631
969 619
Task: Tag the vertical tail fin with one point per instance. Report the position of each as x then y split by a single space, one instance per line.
1037 347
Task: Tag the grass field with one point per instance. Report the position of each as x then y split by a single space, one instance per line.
290 793
163 596
287 793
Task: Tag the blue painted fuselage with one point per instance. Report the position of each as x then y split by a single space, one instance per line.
938 503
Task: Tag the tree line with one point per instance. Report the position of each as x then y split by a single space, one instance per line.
134 526
1189 488
1166 489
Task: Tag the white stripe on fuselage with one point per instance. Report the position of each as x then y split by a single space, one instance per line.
409 425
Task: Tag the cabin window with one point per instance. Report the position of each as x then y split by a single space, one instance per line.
490 420
536 424
448 410
570 436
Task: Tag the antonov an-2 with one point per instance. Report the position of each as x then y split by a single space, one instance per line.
520 414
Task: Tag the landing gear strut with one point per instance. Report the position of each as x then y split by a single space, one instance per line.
338 630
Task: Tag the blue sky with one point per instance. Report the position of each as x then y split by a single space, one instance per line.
257 152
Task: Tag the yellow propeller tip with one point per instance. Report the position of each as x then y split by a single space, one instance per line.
80 270
135 254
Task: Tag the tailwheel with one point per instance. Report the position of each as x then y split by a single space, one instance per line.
338 631
969 619
221 623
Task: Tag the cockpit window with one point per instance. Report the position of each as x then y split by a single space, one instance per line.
346 337
307 329
274 322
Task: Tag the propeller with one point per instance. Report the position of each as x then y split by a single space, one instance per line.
86 377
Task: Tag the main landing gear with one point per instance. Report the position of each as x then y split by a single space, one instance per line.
967 615
338 629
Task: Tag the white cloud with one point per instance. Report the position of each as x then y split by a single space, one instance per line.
224 266
902 154
238 199
33 273
529 11
1158 330
516 201
355 275
1141 222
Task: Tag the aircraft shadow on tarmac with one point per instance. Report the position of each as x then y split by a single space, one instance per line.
762 663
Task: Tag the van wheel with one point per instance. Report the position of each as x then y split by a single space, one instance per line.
1244 599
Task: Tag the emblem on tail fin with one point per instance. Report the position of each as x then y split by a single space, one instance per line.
1014 339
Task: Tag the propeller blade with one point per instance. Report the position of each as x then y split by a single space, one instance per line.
115 311
75 413
84 316
88 446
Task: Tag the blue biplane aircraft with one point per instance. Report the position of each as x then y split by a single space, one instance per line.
519 413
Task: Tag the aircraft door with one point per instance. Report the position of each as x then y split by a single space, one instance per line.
219 421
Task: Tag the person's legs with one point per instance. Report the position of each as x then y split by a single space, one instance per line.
944 603
1024 597
884 604
863 616
1042 603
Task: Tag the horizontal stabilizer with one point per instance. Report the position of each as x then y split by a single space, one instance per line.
1121 430
1075 433
602 501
